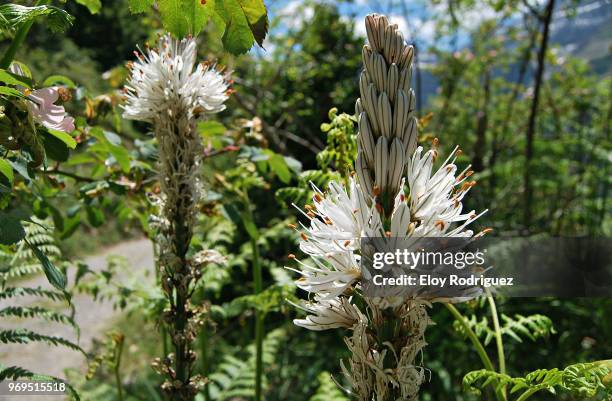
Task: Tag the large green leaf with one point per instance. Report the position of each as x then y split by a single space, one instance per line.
93 6
257 17
59 79
55 148
183 17
242 22
7 170
5 90
279 166
12 16
13 79
64 137
11 230
237 38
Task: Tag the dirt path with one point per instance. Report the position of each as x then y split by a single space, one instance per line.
94 318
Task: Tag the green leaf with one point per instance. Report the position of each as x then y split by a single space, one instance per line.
5 90
64 137
237 38
122 156
257 17
183 17
279 166
250 228
11 230
95 216
20 165
12 16
202 11
55 277
55 148
112 143
211 128
7 170
55 79
17 372
12 79
139 6
93 6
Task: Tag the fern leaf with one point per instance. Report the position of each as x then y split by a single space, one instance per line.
518 327
12 292
328 390
532 327
25 260
235 376
17 372
586 379
25 336
37 311
583 379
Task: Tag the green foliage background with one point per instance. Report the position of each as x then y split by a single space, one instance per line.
275 137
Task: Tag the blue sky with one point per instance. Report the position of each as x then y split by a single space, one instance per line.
414 17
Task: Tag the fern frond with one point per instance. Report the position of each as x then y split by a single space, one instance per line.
532 327
328 390
17 372
25 336
586 379
23 312
23 261
235 376
518 327
12 16
17 271
582 379
12 292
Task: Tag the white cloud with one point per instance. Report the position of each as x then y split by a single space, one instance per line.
294 13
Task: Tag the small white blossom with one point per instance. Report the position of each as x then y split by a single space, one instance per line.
164 80
329 314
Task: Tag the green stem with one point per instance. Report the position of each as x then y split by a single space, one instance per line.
259 322
498 337
498 334
528 394
164 332
259 315
482 353
20 36
117 368
204 358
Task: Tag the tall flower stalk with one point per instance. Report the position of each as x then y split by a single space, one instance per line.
168 90
397 193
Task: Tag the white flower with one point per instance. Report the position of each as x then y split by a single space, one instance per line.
332 274
164 80
339 219
436 198
329 314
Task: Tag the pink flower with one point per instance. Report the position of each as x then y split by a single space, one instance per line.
43 109
42 105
